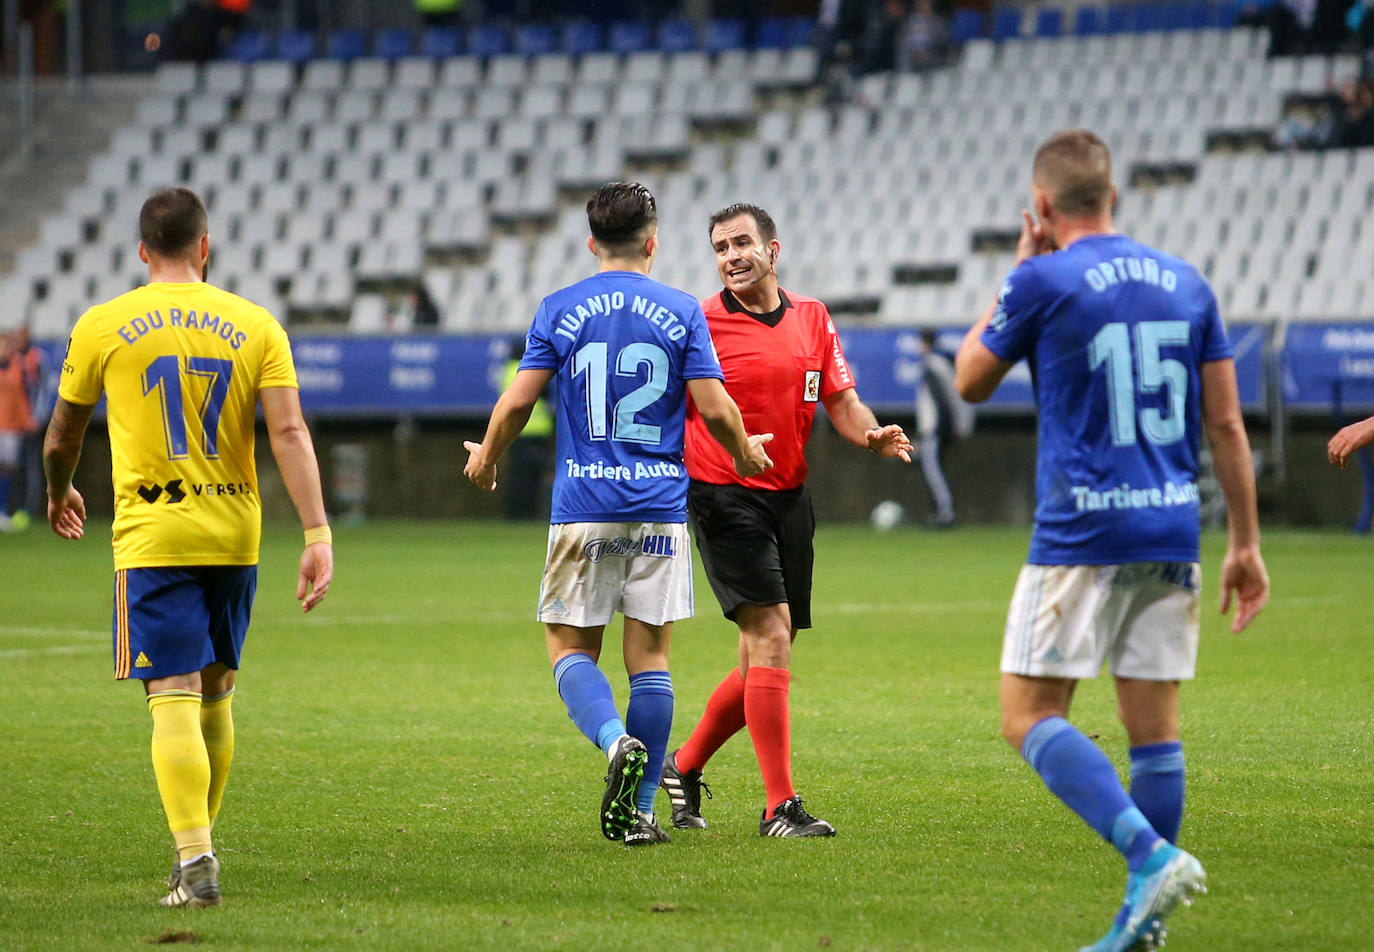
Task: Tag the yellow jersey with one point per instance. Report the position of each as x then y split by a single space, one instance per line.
180 365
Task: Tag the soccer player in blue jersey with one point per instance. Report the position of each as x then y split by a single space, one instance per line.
626 351
1131 364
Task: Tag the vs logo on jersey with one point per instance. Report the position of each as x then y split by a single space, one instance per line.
812 391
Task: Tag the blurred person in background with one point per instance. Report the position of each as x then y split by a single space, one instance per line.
941 416
42 395
532 450
18 372
923 40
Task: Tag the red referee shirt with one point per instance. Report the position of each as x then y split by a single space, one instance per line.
778 367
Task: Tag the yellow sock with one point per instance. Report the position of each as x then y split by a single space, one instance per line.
182 768
217 727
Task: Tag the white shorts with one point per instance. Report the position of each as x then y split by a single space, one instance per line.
11 442
594 569
1066 621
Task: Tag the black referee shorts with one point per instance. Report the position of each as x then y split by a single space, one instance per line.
756 545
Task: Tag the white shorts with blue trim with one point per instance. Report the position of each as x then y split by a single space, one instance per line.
1140 618
594 569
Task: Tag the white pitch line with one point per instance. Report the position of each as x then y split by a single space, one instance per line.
34 631
912 608
53 650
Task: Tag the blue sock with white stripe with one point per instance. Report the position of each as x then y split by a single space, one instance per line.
1077 772
587 693
650 718
1157 782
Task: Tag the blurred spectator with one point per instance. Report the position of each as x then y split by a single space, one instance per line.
1301 26
923 41
16 422
529 457
42 394
1355 122
941 416
882 34
1338 120
1359 19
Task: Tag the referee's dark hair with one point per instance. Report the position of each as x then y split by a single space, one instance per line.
768 229
171 221
621 216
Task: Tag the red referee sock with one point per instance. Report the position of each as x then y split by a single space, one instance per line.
724 718
766 711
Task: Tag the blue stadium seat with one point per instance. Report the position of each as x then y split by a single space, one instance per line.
784 33
296 46
1224 14
346 44
1149 17
488 39
1196 16
439 42
723 35
534 39
392 44
249 47
1050 21
1118 19
629 36
579 37
799 31
966 25
677 36
1006 24
1086 21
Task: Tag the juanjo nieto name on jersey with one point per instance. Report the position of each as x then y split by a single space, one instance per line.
623 347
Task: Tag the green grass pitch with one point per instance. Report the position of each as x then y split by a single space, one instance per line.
406 777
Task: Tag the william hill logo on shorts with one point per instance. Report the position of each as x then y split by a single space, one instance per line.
654 546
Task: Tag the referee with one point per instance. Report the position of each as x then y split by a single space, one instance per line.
781 358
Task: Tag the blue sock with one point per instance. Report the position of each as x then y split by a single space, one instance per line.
587 693
1077 772
650 718
4 495
1157 782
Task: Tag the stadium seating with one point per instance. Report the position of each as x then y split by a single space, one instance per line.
338 182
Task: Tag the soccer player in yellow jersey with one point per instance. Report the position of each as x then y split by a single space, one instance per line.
182 366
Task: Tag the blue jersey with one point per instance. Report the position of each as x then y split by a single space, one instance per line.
1116 334
623 347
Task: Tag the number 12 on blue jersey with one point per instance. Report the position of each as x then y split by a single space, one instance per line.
593 360
1111 345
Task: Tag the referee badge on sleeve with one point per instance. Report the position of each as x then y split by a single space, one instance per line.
813 386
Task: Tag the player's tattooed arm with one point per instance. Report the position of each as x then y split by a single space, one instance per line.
61 451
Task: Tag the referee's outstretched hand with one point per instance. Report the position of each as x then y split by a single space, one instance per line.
890 441
755 460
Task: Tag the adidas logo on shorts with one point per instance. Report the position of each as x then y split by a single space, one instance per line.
557 608
142 661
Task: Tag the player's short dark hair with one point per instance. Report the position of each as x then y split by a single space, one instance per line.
621 215
1075 167
768 229
172 220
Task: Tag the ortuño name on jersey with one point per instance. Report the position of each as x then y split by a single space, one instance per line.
601 304
599 470
210 323
1119 270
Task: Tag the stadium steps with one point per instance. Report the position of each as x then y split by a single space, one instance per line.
68 132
